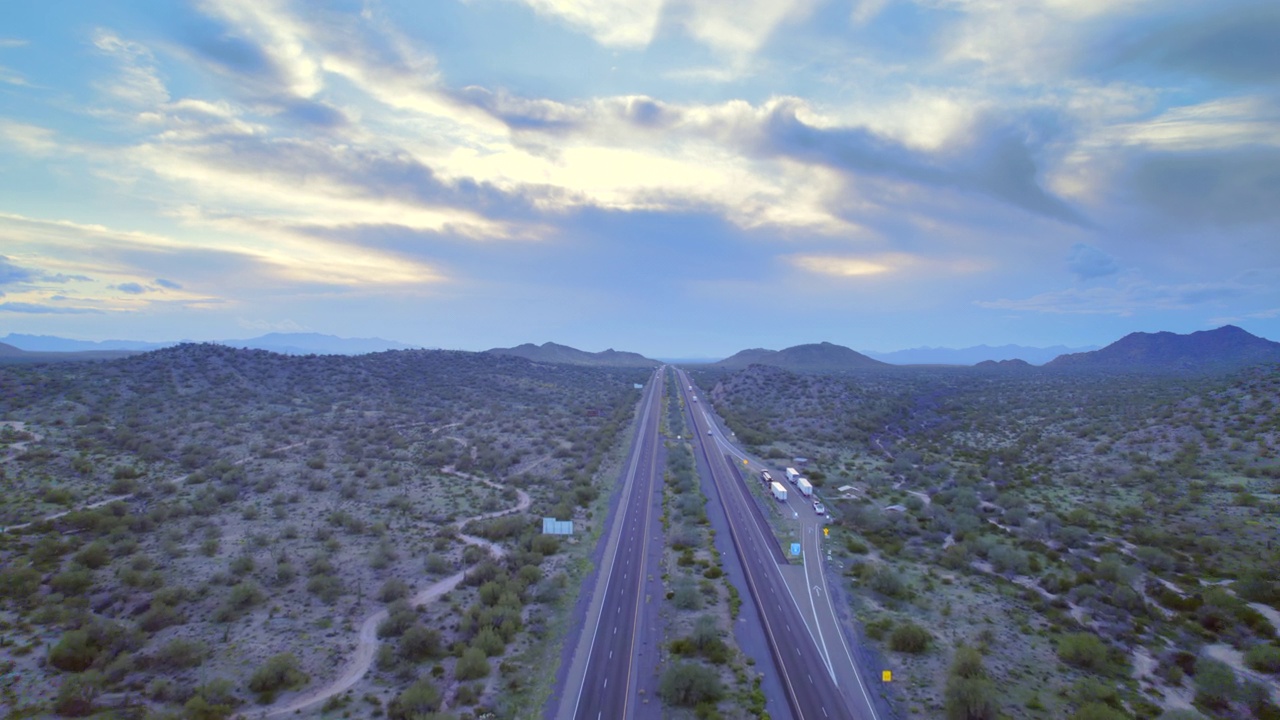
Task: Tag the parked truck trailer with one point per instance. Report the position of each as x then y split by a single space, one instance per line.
779 492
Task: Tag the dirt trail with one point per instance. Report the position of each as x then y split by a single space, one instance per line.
367 642
116 498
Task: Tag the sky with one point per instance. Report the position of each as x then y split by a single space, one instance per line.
682 178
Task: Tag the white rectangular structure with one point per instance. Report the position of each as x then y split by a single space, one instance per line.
552 526
779 492
792 474
806 488
766 477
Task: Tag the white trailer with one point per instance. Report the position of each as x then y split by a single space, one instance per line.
779 492
766 477
806 488
792 474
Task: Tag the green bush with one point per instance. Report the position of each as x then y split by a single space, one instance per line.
969 695
400 617
181 653
473 665
419 643
417 701
689 684
1098 711
280 672
1264 658
74 652
909 638
76 694
1083 650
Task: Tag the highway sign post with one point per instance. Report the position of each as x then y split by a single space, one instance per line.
886 675
795 549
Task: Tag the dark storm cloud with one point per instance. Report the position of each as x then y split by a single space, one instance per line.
998 162
10 273
1226 42
1227 188
1088 262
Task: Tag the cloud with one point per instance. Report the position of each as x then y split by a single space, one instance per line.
838 266
1088 262
132 288
36 309
138 82
62 278
169 284
1233 42
1234 187
10 273
6 43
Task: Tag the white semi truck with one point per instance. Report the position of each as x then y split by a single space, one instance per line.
806 488
779 492
792 474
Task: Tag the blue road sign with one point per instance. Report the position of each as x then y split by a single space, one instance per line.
795 549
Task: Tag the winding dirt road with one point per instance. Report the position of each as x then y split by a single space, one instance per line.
367 642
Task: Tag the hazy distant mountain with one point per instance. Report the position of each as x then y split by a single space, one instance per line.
11 355
50 343
1226 347
816 357
1014 364
316 344
550 352
975 354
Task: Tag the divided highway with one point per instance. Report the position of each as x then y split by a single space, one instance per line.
602 678
815 688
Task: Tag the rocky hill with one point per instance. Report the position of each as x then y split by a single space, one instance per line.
1224 348
550 352
814 357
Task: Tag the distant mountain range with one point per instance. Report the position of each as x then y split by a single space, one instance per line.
815 357
10 355
284 343
550 352
1224 348
976 354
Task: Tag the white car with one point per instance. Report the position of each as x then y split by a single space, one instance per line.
710 433
819 508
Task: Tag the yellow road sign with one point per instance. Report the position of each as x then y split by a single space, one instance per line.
826 532
887 675
744 461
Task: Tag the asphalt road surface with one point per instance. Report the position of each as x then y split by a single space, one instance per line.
607 686
812 683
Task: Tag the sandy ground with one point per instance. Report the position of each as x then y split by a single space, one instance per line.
367 641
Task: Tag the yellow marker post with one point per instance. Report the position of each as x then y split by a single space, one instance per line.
826 532
886 675
744 461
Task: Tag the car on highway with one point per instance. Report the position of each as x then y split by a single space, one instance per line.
710 433
819 508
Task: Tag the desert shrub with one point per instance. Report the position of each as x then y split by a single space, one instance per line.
1215 682
419 643
1264 658
400 617
326 587
72 582
1083 650
888 583
74 651
94 555
909 638
181 653
280 672
472 665
19 583
417 700
393 589
969 695
689 684
158 617
76 694
1098 711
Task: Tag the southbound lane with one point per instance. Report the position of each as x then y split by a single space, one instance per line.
607 690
